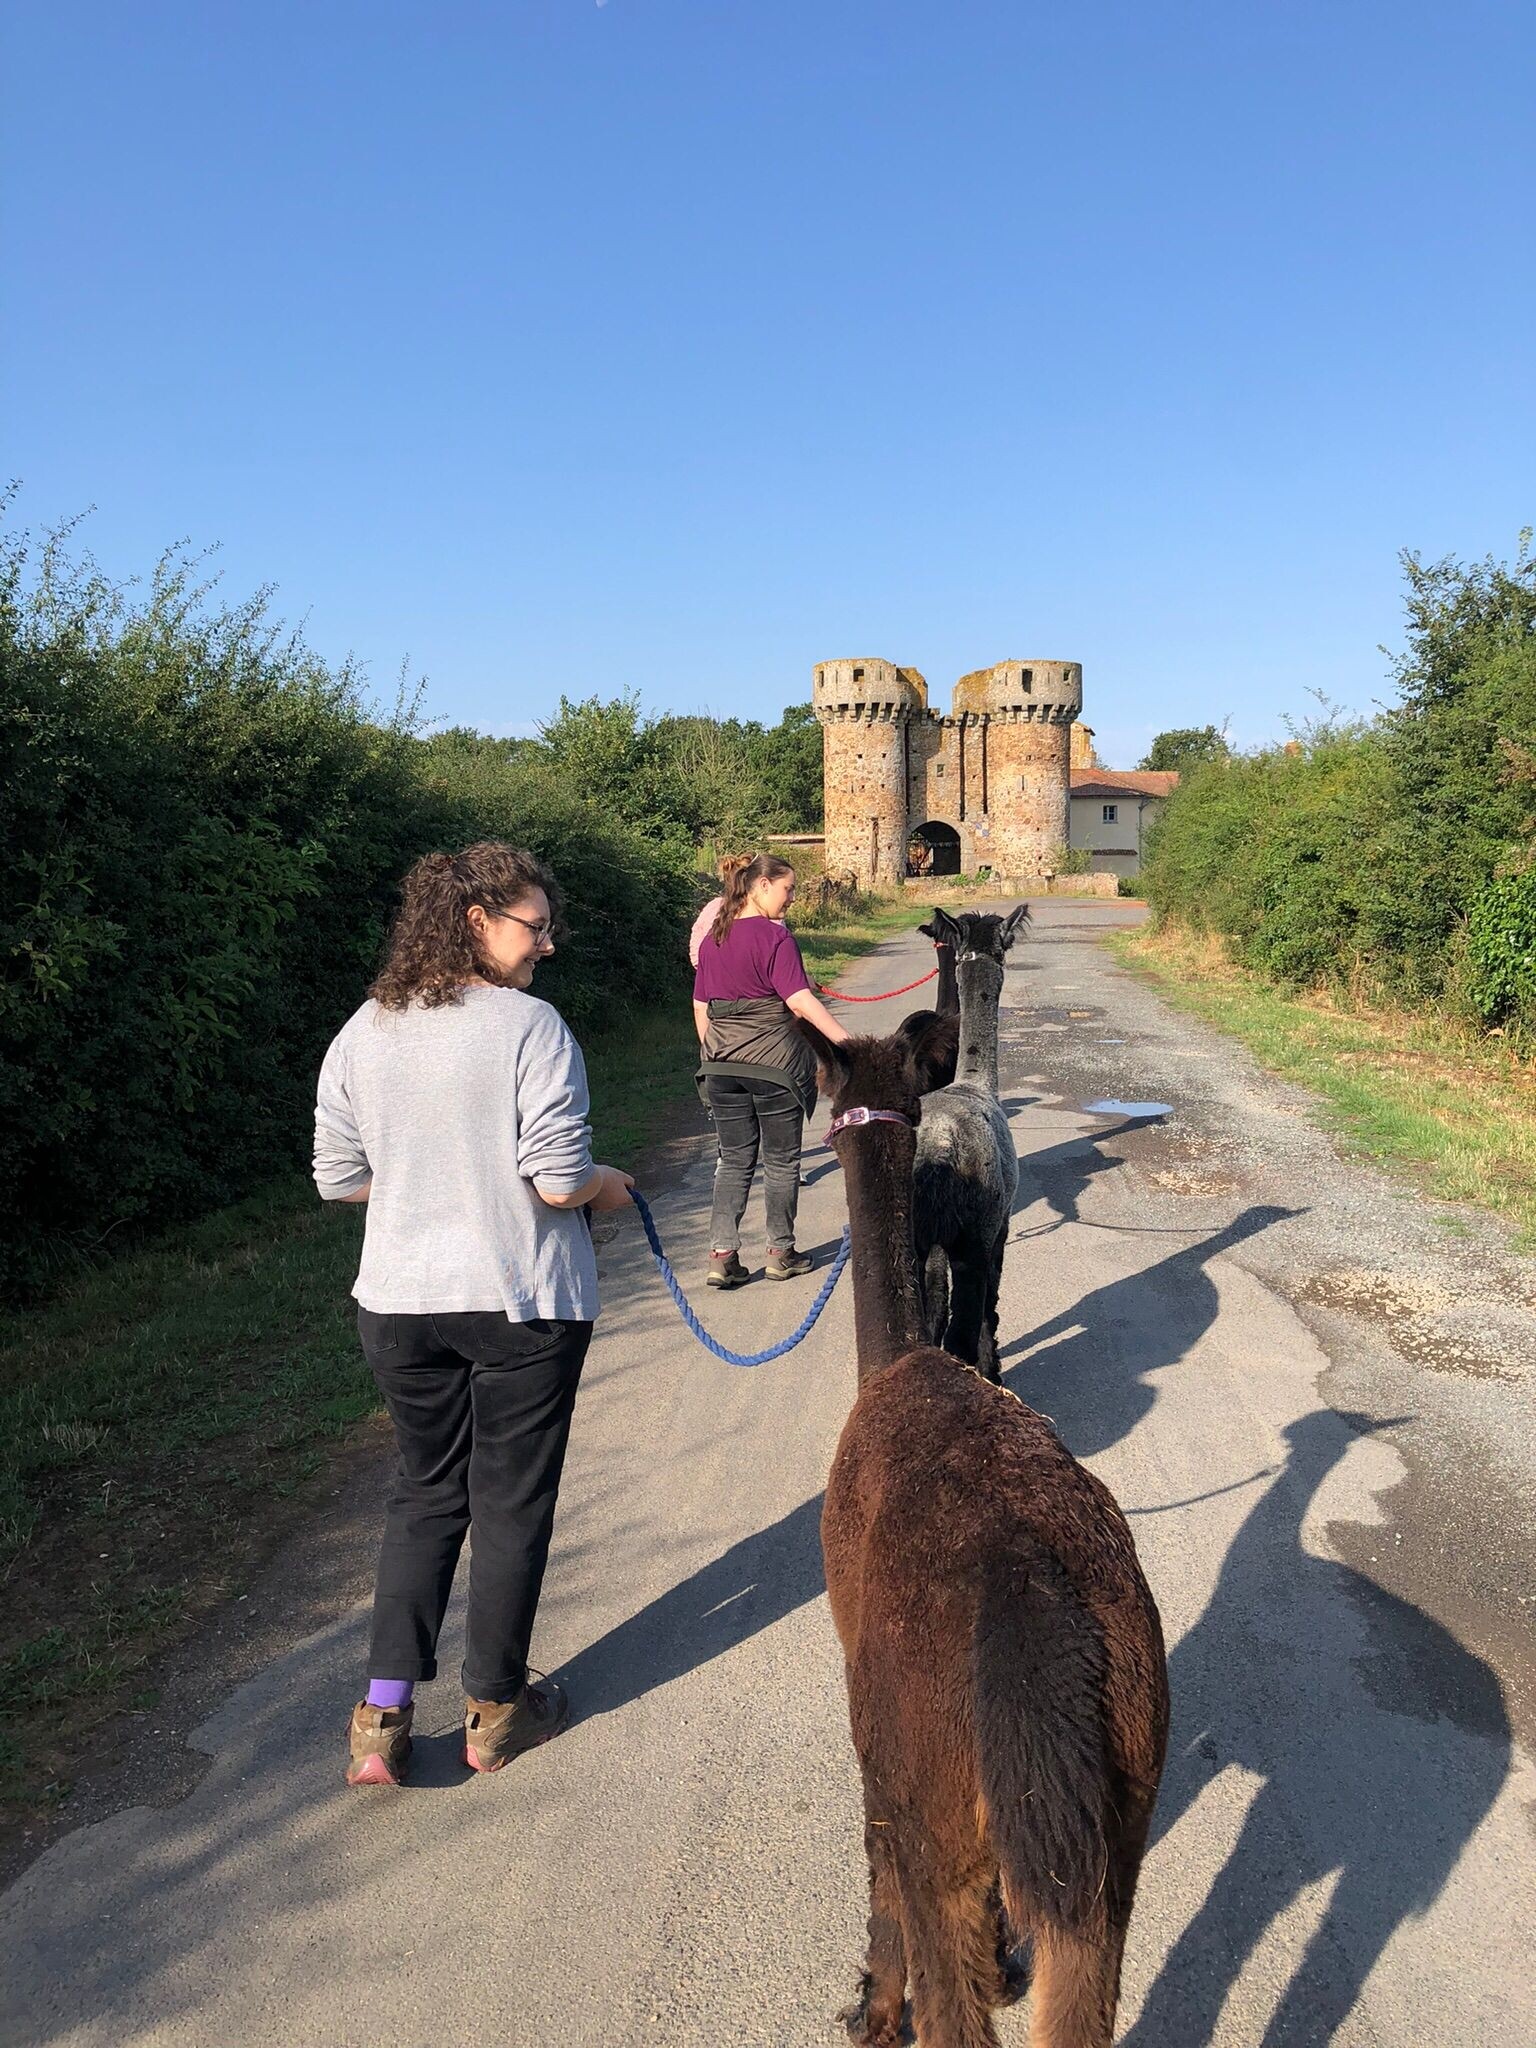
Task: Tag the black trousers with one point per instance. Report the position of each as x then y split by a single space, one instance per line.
752 1115
482 1414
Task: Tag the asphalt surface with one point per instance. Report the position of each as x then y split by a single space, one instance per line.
1314 1402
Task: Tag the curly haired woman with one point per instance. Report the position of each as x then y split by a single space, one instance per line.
454 1104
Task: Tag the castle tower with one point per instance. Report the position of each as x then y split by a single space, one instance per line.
1028 708
864 708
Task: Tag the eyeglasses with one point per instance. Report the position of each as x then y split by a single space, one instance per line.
540 927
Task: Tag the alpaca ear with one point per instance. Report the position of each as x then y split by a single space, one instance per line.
930 929
831 1060
942 928
1013 923
933 1044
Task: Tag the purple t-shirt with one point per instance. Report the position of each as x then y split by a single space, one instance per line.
759 958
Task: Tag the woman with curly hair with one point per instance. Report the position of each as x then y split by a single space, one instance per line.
454 1104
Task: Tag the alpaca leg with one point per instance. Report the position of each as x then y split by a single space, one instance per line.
967 1309
987 1363
874 2021
1077 1986
952 1956
934 1275
1013 1969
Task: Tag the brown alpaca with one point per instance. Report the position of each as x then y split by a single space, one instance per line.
1006 1681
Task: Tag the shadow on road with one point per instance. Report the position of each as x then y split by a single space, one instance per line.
1089 1366
1058 1174
1378 1755
1377 1766
751 1586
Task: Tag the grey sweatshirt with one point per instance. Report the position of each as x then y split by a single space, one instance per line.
454 1113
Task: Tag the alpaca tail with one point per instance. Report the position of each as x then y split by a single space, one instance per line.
1039 1666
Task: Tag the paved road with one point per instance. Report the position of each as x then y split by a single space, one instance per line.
1315 1404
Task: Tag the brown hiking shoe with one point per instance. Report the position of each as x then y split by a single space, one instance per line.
786 1265
726 1270
381 1744
494 1734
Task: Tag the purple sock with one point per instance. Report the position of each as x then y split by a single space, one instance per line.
390 1692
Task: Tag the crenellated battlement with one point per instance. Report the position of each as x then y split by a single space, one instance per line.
865 685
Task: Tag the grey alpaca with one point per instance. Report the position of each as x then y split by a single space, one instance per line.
967 1168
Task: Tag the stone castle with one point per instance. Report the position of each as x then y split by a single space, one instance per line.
984 786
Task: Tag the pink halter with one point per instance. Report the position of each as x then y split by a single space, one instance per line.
865 1116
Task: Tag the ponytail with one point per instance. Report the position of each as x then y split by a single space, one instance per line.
740 873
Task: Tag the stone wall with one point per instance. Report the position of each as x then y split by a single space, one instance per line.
1085 885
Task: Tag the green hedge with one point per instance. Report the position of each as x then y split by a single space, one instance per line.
1397 855
204 831
1499 975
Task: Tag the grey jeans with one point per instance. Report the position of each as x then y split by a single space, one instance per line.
750 1117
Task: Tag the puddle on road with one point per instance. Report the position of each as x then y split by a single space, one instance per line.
1112 1106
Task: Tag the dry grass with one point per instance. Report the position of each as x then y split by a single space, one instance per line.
1412 1090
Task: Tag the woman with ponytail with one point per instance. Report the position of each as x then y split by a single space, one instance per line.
758 1076
454 1104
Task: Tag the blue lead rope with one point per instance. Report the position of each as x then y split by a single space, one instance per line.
664 1268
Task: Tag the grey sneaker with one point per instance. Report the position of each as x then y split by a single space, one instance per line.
726 1270
786 1265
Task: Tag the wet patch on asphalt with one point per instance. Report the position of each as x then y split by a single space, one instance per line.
1445 1664
1176 1160
1426 1323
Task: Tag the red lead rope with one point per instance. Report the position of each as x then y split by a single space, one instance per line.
839 998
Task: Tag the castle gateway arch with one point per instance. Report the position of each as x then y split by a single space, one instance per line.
994 771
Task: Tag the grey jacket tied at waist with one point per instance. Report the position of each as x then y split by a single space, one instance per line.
755 1038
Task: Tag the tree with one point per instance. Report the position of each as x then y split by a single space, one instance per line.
1186 745
787 759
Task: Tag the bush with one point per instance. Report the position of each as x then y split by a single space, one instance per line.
828 900
1362 856
205 832
1499 965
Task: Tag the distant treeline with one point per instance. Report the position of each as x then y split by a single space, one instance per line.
204 829
1392 858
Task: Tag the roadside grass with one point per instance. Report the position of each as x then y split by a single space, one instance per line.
170 1413
829 948
1417 1092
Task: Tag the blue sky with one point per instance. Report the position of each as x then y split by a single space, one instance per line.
677 344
